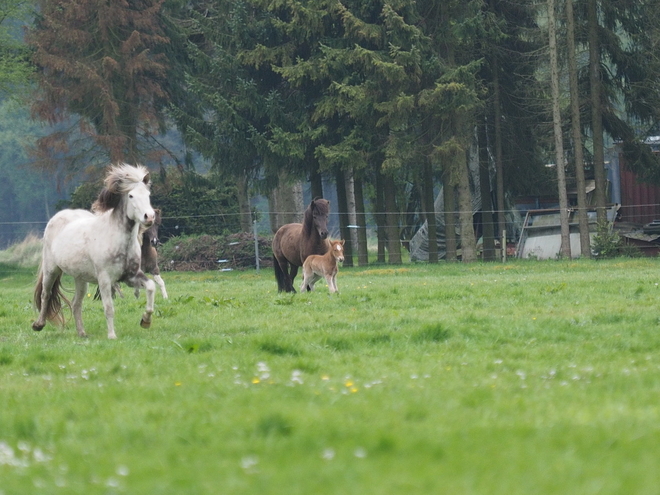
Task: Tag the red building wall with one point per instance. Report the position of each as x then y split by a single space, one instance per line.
640 202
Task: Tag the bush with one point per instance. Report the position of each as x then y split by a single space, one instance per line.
608 243
191 204
207 252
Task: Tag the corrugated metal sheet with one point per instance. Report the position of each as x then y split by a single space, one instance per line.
640 202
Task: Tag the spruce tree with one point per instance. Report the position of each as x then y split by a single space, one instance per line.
103 62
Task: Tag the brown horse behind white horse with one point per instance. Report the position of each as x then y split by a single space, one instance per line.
326 265
149 255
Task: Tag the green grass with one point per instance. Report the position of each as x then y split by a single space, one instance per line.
528 377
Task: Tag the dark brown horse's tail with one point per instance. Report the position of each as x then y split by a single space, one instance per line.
54 310
279 275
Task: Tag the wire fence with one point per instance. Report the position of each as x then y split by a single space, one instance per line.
252 248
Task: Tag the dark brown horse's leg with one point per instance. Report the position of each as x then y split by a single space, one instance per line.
294 272
281 273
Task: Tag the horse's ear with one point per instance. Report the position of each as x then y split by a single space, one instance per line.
147 179
343 241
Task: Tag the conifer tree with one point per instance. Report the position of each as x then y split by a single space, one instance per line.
104 63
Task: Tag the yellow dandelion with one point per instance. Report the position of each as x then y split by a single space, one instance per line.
349 383
177 384
89 295
325 378
255 380
354 389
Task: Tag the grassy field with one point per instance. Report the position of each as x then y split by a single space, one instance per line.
517 378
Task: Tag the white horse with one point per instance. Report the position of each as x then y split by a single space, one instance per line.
101 248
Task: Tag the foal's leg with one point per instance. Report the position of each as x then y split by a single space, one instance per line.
333 282
81 290
312 280
307 275
329 278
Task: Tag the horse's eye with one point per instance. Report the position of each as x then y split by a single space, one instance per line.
130 196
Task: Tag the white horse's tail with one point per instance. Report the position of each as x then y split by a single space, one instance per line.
54 308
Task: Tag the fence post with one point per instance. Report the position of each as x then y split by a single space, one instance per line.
256 243
504 246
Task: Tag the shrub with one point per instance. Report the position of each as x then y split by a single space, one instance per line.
192 204
207 252
607 243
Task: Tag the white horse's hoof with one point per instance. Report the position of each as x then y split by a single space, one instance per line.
144 323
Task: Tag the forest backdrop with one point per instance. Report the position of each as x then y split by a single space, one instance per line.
383 101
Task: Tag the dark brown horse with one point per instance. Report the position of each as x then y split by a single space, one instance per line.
149 255
294 242
148 258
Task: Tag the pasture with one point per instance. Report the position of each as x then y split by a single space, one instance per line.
517 378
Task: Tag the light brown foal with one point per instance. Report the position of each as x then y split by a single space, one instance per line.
326 265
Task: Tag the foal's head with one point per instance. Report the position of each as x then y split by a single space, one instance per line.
126 192
337 250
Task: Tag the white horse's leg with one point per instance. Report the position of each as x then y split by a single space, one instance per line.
105 288
150 289
48 277
161 283
81 290
138 281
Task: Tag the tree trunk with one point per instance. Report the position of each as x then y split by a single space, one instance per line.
285 203
429 211
497 123
468 243
450 215
361 222
392 221
316 182
596 111
379 215
342 209
244 203
565 250
576 128
487 219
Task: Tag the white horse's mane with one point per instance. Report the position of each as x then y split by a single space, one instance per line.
125 176
120 179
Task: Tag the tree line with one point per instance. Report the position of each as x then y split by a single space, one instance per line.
388 98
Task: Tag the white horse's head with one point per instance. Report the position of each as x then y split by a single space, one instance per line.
127 192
